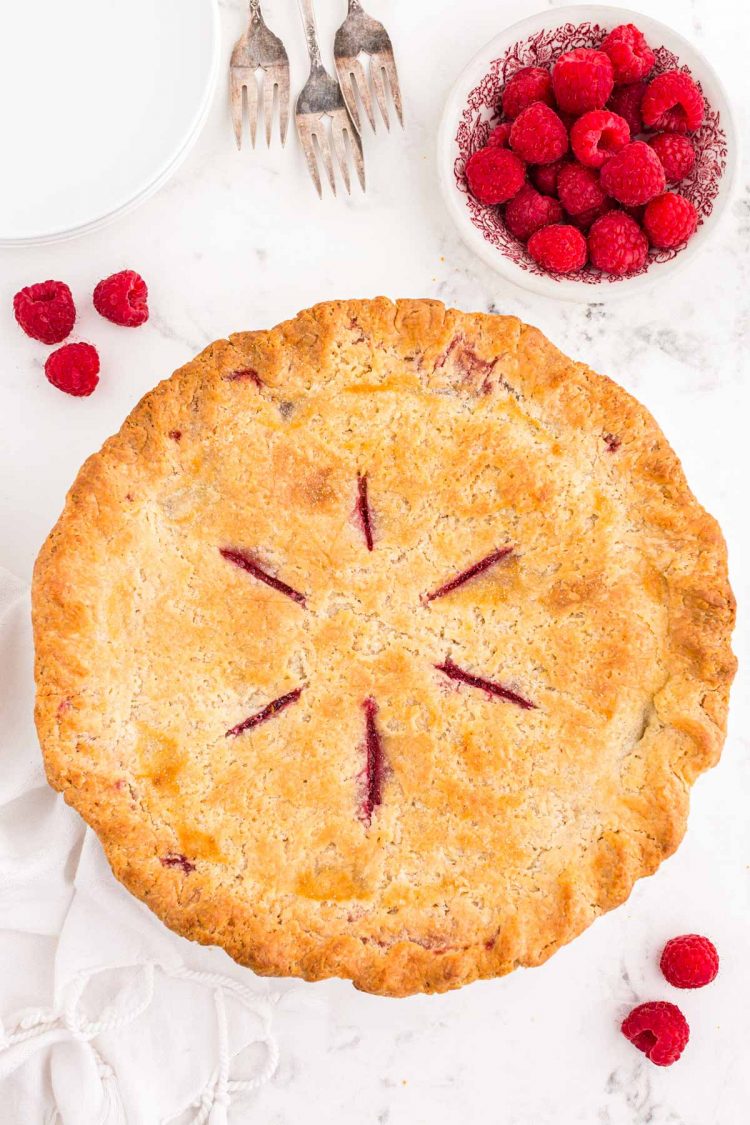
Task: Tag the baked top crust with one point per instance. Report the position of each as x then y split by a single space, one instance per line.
314 754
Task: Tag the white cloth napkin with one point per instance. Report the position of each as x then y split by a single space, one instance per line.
105 1016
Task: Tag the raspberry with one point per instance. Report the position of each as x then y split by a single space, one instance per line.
690 961
544 177
676 153
585 218
578 189
634 175
626 101
568 119
494 175
559 248
530 211
630 54
45 311
670 220
659 1029
73 368
672 103
636 213
123 299
617 245
500 136
538 135
582 79
598 135
532 84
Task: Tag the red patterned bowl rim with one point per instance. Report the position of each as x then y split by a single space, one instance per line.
477 114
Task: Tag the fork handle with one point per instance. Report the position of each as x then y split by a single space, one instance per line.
311 34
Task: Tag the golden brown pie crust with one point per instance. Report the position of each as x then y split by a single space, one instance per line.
502 832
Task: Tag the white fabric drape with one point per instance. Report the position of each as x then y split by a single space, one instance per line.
106 1018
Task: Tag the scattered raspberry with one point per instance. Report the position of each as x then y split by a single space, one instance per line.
670 220
530 211
538 135
123 299
45 311
582 79
690 961
626 101
532 84
659 1029
585 219
630 54
544 176
634 175
617 245
559 248
598 135
672 103
495 175
73 368
500 136
676 153
578 189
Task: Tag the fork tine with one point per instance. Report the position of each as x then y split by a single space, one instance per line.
389 66
269 85
338 134
362 87
252 105
284 98
378 85
355 87
324 147
355 143
305 135
235 97
347 86
312 165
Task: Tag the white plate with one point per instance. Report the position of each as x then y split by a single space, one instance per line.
657 34
102 100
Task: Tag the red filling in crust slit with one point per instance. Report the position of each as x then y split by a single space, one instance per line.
453 672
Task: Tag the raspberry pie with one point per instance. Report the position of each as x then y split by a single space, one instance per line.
385 644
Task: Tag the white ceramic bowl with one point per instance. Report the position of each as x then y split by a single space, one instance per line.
538 40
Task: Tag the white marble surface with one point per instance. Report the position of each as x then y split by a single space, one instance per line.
241 241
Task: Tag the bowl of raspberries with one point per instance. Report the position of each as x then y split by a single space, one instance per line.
587 146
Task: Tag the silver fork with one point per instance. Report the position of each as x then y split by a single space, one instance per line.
321 97
359 33
259 49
